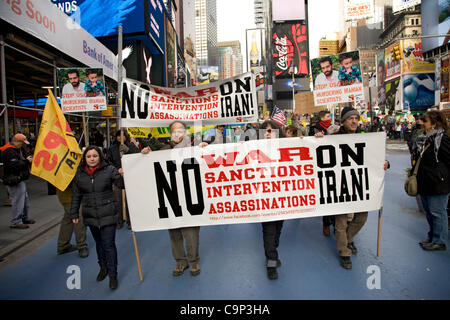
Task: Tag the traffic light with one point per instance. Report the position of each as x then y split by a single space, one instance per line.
396 53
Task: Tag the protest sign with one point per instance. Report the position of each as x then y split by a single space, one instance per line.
337 79
57 154
82 90
229 101
255 181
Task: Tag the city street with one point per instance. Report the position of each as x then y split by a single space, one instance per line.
232 258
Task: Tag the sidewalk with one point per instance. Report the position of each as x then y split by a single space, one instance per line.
45 209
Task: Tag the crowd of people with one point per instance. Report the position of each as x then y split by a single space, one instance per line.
94 197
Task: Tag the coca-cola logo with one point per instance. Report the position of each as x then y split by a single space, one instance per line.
282 49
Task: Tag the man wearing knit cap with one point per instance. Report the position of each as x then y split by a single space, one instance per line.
348 225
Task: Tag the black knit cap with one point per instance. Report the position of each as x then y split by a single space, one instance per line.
347 112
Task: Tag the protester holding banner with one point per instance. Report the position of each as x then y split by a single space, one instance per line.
433 177
190 235
272 229
348 225
16 171
320 128
113 156
93 188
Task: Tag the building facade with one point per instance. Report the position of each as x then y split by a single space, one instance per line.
206 32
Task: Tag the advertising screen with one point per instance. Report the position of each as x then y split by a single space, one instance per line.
101 18
358 9
285 10
290 49
418 91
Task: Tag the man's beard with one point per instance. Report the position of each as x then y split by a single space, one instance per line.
329 73
75 84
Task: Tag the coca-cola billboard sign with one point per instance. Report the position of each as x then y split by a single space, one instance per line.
290 49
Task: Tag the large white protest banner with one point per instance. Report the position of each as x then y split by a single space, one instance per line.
255 181
229 101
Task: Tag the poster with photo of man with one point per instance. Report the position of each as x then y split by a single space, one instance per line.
337 78
82 89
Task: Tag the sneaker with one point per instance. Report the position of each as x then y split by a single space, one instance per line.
434 246
29 221
195 269
20 226
179 270
326 231
83 252
113 283
102 274
272 273
68 249
346 263
352 247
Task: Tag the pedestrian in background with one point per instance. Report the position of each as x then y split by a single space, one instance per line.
93 189
16 170
67 227
433 177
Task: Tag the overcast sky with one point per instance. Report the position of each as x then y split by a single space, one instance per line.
234 16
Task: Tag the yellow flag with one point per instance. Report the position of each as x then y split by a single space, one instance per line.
57 154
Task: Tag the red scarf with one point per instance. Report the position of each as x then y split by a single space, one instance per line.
325 124
91 171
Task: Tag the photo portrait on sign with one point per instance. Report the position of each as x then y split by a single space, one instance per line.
82 89
337 78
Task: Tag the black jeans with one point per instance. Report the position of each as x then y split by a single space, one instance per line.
106 247
328 220
271 238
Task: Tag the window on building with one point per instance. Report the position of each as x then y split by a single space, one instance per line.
417 21
412 21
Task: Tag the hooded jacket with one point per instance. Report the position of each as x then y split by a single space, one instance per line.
433 177
96 194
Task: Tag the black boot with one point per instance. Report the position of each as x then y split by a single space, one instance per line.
102 274
346 262
272 273
113 283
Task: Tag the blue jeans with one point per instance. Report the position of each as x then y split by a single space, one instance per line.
106 247
436 208
20 203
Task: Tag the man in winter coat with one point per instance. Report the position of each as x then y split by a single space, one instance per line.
16 171
348 225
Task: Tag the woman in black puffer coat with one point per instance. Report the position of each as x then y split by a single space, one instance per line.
93 189
433 177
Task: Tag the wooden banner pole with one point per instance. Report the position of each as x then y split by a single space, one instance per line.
380 220
137 256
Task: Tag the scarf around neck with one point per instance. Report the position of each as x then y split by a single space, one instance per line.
432 137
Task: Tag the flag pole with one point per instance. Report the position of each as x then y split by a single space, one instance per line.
119 92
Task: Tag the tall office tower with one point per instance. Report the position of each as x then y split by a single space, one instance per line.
206 32
238 60
225 62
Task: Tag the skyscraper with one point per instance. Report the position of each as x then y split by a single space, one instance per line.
230 59
206 32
